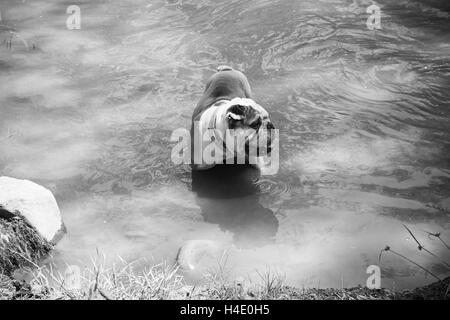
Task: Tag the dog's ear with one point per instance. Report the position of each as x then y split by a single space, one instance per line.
241 115
236 116
237 112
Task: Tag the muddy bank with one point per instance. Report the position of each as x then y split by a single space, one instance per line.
434 291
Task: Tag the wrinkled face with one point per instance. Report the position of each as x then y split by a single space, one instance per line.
251 125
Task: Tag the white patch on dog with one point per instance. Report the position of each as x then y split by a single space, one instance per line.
234 116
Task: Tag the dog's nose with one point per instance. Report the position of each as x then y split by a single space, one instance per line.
270 126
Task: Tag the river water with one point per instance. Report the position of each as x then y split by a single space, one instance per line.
363 117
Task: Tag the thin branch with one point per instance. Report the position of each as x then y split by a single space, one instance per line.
421 247
438 235
409 260
412 235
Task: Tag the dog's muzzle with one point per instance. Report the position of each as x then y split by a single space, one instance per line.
263 141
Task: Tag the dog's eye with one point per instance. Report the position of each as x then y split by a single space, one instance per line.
237 111
255 125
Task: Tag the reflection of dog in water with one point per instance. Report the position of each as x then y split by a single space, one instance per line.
229 197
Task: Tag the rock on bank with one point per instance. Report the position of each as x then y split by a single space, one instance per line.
30 223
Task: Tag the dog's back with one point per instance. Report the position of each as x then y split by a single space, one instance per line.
225 84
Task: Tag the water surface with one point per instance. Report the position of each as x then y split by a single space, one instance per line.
363 118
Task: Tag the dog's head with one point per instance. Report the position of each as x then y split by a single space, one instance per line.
250 123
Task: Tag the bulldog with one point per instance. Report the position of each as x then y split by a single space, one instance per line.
228 126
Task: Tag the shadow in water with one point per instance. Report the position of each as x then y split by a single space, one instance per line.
229 197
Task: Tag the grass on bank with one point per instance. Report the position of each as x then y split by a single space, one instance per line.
132 280
20 244
123 280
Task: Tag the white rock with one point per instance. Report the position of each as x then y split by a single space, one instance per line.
195 253
35 203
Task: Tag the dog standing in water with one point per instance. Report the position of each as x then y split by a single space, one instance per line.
229 123
227 194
